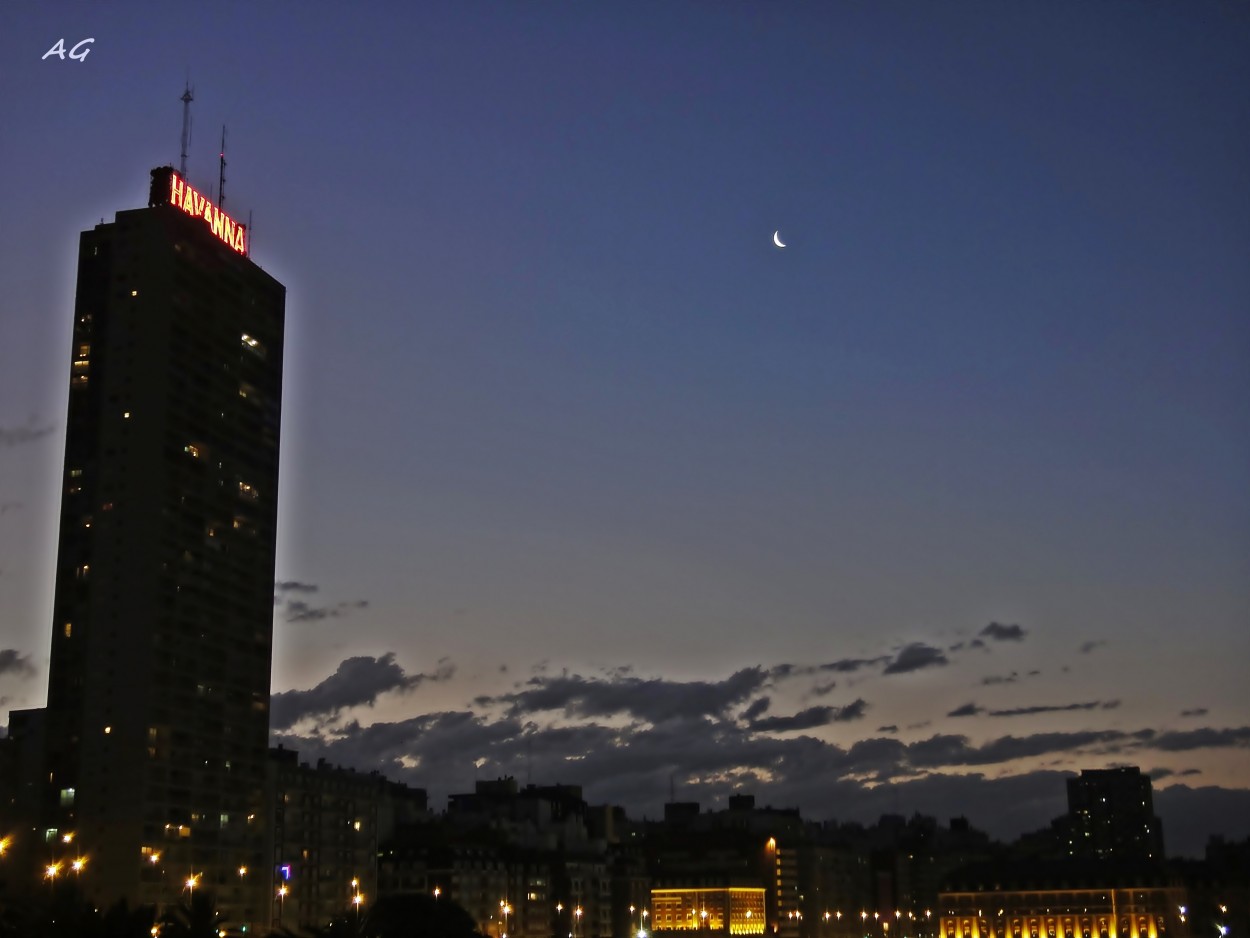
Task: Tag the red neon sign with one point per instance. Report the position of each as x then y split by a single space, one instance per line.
184 196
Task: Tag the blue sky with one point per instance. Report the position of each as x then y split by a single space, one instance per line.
560 418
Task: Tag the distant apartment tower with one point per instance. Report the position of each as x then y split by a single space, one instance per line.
1111 816
327 822
158 701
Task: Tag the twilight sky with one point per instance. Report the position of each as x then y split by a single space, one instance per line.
586 481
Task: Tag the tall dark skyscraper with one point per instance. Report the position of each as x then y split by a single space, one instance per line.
158 702
1111 816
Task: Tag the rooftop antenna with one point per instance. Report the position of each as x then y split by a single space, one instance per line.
250 231
187 97
221 172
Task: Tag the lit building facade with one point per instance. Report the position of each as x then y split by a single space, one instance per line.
727 910
1129 912
158 702
1058 902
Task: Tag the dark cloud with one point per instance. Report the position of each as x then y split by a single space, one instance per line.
300 611
841 666
1003 633
967 710
295 586
16 436
1205 738
1087 647
888 728
655 700
709 757
993 679
823 690
756 709
855 710
811 718
15 663
357 681
1056 708
1196 712
1191 815
914 657
1010 748
851 665
807 719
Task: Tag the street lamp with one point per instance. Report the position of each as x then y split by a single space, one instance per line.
282 891
577 920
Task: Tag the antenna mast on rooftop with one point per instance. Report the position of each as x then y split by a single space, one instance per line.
221 172
187 97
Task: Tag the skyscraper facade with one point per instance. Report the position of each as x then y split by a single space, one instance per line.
158 700
1111 816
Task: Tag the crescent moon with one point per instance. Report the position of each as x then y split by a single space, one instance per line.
777 239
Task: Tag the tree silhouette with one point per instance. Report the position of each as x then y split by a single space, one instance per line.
196 918
121 921
414 915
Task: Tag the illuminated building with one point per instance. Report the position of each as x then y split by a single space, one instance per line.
1063 900
158 701
728 910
